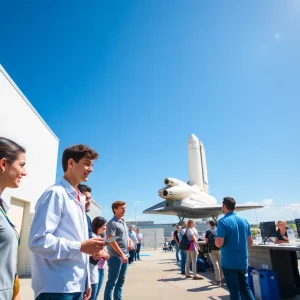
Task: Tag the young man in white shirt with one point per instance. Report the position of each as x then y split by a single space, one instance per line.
59 238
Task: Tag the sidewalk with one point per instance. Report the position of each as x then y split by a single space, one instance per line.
156 277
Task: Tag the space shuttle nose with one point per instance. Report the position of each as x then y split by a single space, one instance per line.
193 139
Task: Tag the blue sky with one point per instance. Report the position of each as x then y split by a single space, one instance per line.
133 79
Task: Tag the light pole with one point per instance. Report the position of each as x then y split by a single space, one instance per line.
256 217
135 204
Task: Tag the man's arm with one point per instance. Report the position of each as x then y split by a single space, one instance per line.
42 239
220 234
250 239
115 246
130 244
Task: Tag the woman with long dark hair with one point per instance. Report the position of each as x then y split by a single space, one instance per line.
12 169
97 270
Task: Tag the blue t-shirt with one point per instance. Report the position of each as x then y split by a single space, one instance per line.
235 231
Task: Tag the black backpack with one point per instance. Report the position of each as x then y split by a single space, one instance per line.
211 241
185 243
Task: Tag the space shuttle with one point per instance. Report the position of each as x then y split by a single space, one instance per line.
191 199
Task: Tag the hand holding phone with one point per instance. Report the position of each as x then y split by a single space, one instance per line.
112 239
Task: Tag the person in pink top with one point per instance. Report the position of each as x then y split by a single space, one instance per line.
99 228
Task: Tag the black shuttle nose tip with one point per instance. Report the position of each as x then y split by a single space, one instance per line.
165 193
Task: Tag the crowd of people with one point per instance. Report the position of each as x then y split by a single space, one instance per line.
227 244
69 250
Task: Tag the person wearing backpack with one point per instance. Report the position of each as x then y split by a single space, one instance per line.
192 252
214 253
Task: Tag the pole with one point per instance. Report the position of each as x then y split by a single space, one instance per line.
256 217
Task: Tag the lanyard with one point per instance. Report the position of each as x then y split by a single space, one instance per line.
11 224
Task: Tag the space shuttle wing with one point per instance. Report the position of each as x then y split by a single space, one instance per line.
216 210
203 211
159 209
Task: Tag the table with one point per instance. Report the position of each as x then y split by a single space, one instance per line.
276 258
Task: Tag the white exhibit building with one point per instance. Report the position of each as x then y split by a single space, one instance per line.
20 122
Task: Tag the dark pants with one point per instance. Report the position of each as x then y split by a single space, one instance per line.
99 284
294 262
177 252
116 278
237 284
183 261
59 296
137 251
131 256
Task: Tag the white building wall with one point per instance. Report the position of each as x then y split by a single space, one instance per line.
153 238
95 210
21 123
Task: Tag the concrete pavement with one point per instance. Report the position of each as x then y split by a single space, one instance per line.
156 277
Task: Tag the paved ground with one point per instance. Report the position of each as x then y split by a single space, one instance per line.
156 277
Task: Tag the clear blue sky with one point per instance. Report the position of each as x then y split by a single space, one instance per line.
133 79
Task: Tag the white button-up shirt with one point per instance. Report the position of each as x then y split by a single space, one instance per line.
58 228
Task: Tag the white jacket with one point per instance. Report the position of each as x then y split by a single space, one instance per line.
58 228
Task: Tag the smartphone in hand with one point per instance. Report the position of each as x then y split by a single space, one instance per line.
108 241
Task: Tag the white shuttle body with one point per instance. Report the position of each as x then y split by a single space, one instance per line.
191 200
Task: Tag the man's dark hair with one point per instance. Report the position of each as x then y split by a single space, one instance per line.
84 188
116 204
10 150
212 223
77 152
229 203
97 223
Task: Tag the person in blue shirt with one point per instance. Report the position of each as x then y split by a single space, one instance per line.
234 238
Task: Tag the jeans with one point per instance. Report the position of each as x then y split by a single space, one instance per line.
59 296
137 252
101 278
183 261
177 252
116 278
94 291
237 284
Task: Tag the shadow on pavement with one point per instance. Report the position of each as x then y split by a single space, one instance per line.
171 279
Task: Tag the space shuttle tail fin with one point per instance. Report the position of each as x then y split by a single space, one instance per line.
204 168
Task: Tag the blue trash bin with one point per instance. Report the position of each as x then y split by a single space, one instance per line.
250 279
268 285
